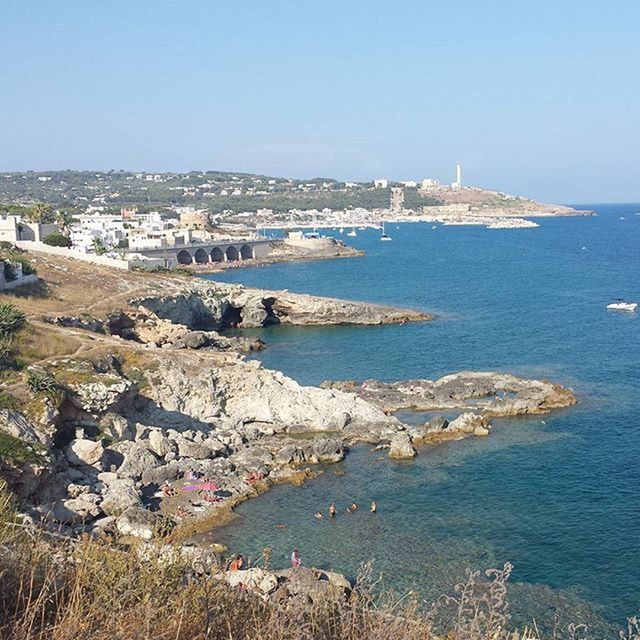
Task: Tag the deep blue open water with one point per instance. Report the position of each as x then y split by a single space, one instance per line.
560 499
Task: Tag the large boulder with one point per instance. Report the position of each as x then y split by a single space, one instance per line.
325 450
16 425
401 447
115 426
256 580
195 450
119 495
138 522
165 473
314 585
192 340
84 452
290 454
132 459
468 424
435 427
76 510
253 459
160 444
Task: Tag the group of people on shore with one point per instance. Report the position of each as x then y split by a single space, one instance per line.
350 509
239 563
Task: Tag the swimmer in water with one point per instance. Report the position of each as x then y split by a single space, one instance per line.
332 510
374 507
317 515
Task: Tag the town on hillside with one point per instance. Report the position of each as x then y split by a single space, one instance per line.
198 218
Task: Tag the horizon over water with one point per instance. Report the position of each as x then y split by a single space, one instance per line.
555 495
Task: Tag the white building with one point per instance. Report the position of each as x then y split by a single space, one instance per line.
409 183
14 228
109 229
429 183
381 183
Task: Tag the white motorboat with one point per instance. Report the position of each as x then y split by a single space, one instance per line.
621 305
341 230
352 233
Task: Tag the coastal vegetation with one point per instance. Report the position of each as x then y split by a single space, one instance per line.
57 240
52 588
12 320
216 191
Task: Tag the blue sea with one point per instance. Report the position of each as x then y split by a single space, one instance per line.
558 496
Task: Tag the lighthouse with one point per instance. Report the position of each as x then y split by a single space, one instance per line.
458 183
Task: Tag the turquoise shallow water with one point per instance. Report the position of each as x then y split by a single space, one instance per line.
560 498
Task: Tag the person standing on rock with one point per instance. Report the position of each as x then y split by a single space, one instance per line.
296 561
237 564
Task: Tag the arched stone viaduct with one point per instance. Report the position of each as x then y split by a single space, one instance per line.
205 253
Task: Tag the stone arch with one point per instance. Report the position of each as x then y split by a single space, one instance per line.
232 254
246 252
217 254
201 256
184 257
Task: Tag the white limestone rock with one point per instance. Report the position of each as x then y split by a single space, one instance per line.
120 494
255 579
401 447
84 452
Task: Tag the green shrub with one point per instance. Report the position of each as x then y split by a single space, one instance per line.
27 268
7 360
10 272
8 401
176 271
41 381
98 247
11 320
14 450
56 239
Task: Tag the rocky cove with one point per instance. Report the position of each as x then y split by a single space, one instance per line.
168 401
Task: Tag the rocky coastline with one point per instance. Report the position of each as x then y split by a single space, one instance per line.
159 422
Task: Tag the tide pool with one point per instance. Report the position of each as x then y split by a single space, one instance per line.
558 496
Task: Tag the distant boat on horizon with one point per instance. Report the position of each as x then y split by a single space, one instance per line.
385 237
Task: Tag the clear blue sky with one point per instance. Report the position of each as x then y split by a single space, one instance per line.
537 97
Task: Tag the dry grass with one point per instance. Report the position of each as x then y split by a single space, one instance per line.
52 589
71 287
40 342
